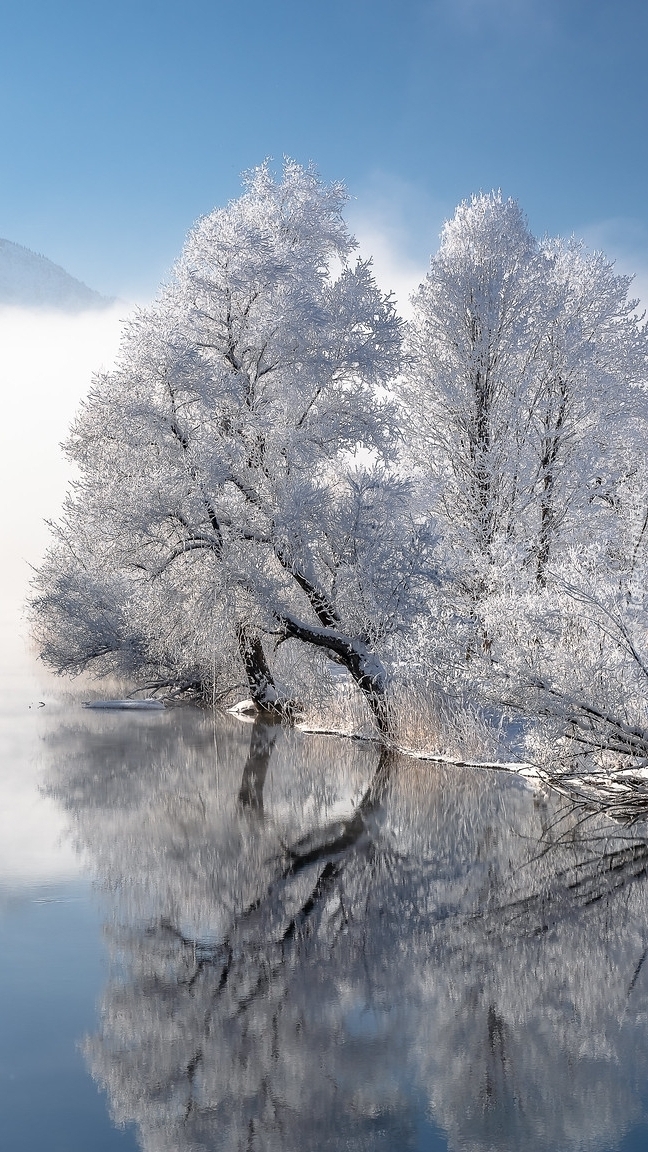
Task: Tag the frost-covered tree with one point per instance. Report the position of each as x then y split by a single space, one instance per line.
221 497
589 400
525 393
472 349
524 388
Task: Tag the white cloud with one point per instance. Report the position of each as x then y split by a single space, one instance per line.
395 271
398 225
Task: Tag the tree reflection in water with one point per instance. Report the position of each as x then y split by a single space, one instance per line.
317 944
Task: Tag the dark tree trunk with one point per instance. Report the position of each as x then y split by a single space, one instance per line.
551 446
362 664
264 692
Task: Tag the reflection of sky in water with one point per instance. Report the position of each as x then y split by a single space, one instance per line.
52 956
52 967
456 970
33 848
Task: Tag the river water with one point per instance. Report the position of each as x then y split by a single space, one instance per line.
218 935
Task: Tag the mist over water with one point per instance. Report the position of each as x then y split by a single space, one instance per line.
47 359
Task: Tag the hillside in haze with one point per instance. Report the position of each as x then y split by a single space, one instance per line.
31 281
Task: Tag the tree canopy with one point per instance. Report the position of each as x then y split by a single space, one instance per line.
235 466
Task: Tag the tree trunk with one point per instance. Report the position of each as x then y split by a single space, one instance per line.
360 662
263 690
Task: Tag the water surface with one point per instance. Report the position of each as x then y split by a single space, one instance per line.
53 958
268 940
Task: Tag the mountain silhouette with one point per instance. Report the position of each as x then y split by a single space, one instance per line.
32 281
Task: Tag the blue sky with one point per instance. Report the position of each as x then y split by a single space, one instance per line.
122 122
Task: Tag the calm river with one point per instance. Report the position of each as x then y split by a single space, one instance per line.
218 935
